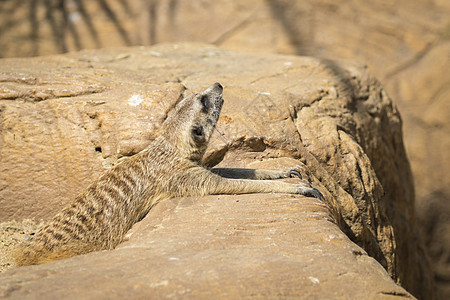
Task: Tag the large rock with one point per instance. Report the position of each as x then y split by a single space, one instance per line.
66 118
405 43
218 247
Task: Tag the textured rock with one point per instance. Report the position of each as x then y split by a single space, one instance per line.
240 246
72 115
405 44
225 247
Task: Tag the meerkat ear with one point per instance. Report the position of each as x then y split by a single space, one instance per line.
198 134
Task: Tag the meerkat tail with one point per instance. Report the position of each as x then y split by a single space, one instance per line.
36 253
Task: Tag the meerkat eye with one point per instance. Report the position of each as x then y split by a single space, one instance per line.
205 103
198 131
198 134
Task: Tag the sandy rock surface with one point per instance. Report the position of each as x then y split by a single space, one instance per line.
67 118
221 247
405 44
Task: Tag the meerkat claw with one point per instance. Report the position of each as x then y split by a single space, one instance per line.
314 193
293 173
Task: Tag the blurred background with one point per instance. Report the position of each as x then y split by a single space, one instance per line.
405 43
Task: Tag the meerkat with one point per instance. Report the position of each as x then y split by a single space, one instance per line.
170 166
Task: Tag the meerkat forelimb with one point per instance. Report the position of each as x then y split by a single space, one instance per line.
170 166
255 174
242 181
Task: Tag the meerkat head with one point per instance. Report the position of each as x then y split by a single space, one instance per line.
192 122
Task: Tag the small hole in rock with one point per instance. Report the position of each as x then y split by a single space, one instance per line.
98 149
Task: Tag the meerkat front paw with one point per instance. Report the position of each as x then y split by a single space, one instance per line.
276 174
312 192
286 174
292 173
305 190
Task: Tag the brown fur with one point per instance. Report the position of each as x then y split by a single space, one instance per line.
170 166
